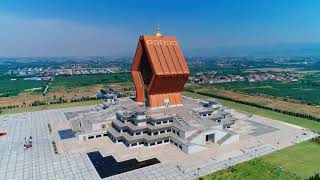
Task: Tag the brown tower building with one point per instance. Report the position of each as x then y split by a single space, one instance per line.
159 71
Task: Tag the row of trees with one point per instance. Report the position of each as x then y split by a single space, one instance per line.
56 101
296 114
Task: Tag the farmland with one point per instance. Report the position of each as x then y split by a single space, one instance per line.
262 112
275 102
66 87
307 90
70 82
14 86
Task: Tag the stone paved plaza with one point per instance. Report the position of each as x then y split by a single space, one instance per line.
41 162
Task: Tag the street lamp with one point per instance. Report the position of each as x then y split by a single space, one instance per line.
198 172
229 161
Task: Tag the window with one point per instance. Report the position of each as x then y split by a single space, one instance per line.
98 136
178 133
159 142
155 133
161 132
180 147
170 120
158 123
152 144
165 122
145 132
173 131
138 133
141 143
169 130
106 134
165 141
134 144
90 137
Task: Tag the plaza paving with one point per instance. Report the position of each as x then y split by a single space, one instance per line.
41 162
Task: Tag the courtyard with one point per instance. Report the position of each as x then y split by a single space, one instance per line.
258 136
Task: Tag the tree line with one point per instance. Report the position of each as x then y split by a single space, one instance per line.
57 101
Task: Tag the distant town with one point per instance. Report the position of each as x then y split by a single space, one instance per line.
212 77
74 70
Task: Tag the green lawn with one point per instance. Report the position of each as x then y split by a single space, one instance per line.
257 169
51 106
302 159
262 112
298 161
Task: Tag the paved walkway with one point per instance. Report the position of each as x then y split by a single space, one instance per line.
40 161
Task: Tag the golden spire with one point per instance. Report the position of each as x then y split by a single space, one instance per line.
158 33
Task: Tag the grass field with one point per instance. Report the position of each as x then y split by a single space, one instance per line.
257 169
265 113
298 161
51 106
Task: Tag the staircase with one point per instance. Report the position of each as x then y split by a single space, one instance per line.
194 135
179 119
224 138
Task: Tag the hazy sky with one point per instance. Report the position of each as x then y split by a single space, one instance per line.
106 27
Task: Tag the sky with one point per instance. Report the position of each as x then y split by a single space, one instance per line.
112 27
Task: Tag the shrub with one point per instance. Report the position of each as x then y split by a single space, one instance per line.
315 177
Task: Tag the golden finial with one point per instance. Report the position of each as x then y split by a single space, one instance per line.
158 34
